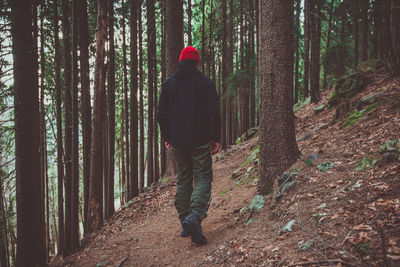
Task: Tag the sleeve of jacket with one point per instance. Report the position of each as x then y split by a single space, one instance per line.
213 113
163 111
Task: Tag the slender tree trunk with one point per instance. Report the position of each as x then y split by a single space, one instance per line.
203 37
174 46
189 22
297 47
86 111
60 163
95 218
155 126
4 261
141 106
276 82
111 111
126 108
356 34
252 59
230 99
75 128
328 40
68 126
224 79
163 156
134 109
365 29
133 183
315 26
306 47
31 243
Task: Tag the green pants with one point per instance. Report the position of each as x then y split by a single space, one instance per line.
193 165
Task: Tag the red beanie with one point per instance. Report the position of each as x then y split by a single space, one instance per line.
190 52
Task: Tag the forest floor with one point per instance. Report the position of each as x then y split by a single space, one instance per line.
343 216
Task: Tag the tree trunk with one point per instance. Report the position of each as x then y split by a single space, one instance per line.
189 22
315 26
60 163
126 109
365 29
111 111
86 111
356 33
163 156
306 47
230 98
75 128
203 37
3 223
277 135
297 47
141 108
174 46
224 79
155 101
31 243
68 126
328 40
133 183
95 218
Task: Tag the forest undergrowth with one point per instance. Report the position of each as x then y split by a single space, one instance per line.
341 206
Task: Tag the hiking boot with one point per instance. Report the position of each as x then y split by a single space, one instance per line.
184 233
192 226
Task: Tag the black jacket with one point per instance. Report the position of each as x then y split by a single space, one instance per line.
188 109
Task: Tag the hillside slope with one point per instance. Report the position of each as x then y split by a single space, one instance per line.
346 215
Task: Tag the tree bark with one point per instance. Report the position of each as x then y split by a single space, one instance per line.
60 163
95 218
68 125
86 111
278 148
328 40
224 79
141 106
365 29
75 129
306 48
163 154
174 46
134 187
31 243
315 26
111 111
189 22
297 47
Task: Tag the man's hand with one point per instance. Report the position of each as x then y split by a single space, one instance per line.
168 146
215 147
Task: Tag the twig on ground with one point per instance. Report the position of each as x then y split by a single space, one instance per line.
318 263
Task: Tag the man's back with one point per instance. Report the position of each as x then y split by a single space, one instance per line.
188 109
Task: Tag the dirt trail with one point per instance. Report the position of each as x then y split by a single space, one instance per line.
153 239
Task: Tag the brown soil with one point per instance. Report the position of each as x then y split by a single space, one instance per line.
347 226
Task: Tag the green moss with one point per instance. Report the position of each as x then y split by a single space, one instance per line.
356 115
252 156
223 193
366 163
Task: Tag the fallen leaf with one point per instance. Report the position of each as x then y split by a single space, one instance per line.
335 216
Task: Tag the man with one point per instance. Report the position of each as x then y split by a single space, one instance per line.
188 114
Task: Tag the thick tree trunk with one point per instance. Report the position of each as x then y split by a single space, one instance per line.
111 111
68 126
278 148
31 243
174 46
86 111
133 183
60 163
95 218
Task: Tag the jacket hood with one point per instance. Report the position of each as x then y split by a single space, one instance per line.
186 69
